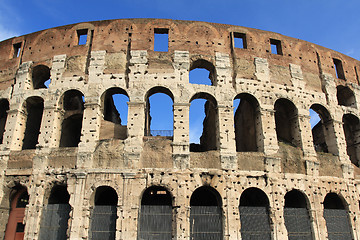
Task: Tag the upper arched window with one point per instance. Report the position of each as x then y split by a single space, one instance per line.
73 104
4 107
287 123
159 116
247 123
115 112
322 129
351 125
203 122
34 107
41 76
202 72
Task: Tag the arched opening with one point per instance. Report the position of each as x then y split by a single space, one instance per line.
41 76
254 215
336 217
322 129
159 116
206 214
345 96
103 215
287 123
247 123
15 226
34 107
55 216
115 112
4 107
155 221
296 216
351 127
73 105
203 122
202 72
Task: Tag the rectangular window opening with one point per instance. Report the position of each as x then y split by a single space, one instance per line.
17 50
357 75
161 39
339 69
276 47
82 36
240 40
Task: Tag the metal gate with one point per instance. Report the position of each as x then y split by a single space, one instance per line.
103 223
337 224
54 222
255 223
155 222
297 223
206 223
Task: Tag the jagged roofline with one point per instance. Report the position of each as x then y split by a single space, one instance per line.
69 26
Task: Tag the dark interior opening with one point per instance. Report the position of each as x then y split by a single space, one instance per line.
351 125
333 201
254 197
73 104
245 120
339 70
295 199
286 121
40 75
106 196
59 195
205 196
345 96
156 195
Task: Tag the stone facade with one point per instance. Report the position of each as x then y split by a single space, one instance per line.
78 147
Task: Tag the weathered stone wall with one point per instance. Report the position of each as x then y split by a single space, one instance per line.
120 54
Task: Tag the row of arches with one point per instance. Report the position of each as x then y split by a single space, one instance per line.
201 72
247 120
157 215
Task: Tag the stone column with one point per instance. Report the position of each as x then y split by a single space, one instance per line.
50 131
348 171
268 132
136 125
79 220
129 208
180 145
35 206
227 136
90 126
317 217
15 127
182 205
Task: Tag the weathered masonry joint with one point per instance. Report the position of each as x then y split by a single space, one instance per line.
97 134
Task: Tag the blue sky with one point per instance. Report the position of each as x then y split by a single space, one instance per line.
330 23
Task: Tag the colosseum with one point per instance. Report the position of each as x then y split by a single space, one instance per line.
74 167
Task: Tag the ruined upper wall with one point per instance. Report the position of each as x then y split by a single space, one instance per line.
203 39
